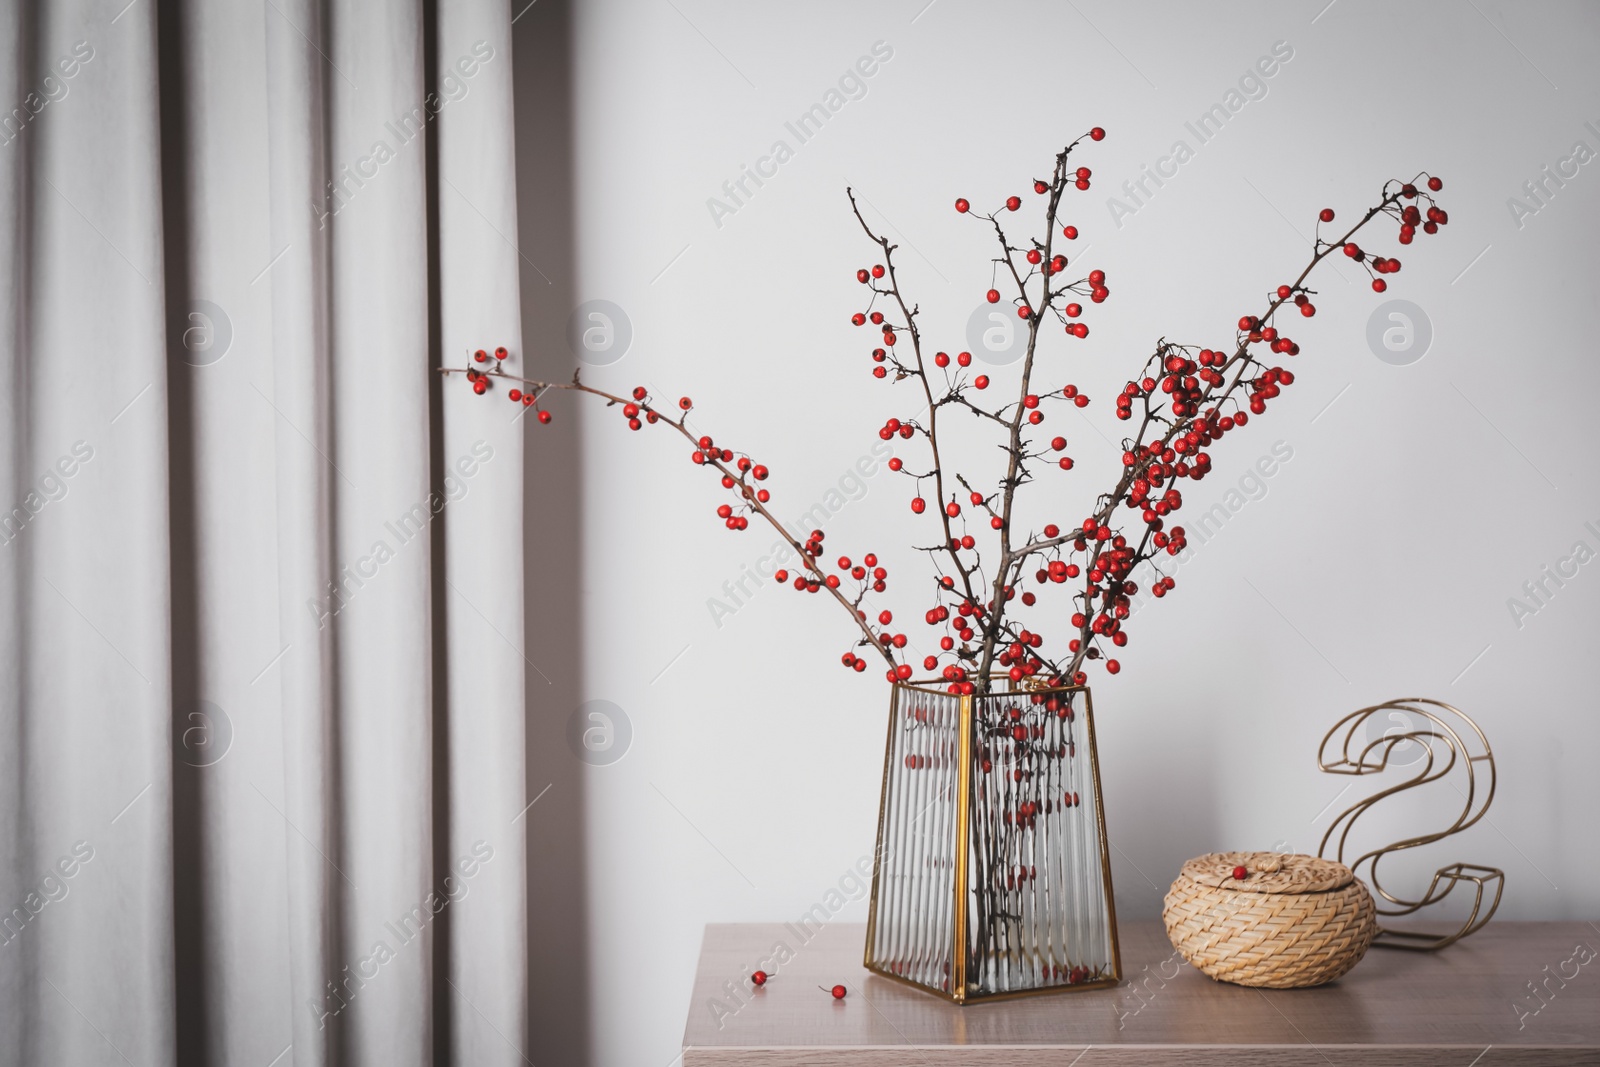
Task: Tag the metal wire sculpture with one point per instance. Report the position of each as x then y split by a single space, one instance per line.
1369 746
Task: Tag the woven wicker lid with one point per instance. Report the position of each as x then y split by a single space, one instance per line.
1268 872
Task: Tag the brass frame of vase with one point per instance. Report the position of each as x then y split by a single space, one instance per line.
958 992
1451 875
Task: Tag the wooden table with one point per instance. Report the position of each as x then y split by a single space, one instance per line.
1470 1005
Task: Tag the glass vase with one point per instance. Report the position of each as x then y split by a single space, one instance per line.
991 876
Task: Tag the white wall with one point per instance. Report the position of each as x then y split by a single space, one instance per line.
1412 509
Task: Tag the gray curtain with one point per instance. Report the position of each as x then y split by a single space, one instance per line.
261 696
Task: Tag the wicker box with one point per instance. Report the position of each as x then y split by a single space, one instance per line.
1291 921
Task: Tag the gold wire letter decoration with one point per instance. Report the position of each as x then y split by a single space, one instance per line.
1430 738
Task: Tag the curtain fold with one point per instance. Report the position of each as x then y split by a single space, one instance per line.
261 722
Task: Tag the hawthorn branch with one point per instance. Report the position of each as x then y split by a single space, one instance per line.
539 388
927 391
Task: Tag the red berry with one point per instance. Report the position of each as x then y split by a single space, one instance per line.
501 353
917 504
1240 874
962 205
1097 134
1013 202
1070 232
1112 666
685 403
964 359
952 509
993 296
1024 312
862 276
981 382
1379 285
481 356
545 417
480 386
1326 214
760 977
838 992
1435 184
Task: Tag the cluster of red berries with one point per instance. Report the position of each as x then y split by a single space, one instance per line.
1080 181
706 452
1254 331
481 383
870 574
1411 218
1021 876
639 406
1018 658
1266 386
895 426
880 355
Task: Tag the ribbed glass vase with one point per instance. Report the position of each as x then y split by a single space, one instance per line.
991 877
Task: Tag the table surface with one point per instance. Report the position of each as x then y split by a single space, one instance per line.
1469 1005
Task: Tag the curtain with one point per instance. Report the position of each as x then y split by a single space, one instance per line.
261 713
